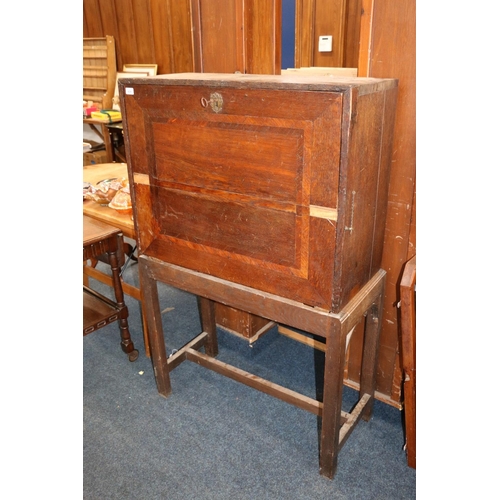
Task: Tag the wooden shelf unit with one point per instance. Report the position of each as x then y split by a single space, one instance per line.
99 71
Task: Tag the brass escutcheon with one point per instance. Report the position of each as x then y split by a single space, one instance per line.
215 102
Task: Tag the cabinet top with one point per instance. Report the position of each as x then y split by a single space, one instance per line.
279 82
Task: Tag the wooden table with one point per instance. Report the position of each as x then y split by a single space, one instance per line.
98 311
99 172
124 222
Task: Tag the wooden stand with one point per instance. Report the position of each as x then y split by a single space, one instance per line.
334 328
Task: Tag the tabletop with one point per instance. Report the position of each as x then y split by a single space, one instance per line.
95 231
94 174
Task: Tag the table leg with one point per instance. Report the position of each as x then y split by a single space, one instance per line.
105 136
126 340
85 277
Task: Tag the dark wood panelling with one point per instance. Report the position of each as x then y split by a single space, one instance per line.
339 18
145 31
92 24
352 29
263 36
216 22
162 34
109 23
127 35
190 35
304 33
365 37
180 31
393 53
237 36
330 20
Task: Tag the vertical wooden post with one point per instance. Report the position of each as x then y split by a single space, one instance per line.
207 317
159 357
332 397
370 354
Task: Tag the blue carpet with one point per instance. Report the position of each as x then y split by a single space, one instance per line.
214 438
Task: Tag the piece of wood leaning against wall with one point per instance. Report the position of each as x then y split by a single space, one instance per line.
376 36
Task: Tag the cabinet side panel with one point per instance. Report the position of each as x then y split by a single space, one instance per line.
385 171
362 203
355 353
134 134
137 146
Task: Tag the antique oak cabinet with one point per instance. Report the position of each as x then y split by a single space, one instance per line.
266 193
